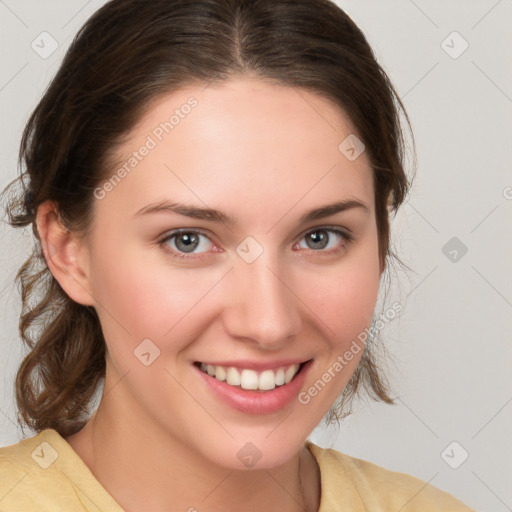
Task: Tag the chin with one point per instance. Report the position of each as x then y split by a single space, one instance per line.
255 452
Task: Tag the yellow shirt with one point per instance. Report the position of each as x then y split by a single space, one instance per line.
44 474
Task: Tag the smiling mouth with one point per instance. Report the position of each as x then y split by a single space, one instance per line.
248 379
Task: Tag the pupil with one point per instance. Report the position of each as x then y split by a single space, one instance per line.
319 239
189 242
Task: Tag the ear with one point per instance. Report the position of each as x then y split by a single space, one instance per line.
65 254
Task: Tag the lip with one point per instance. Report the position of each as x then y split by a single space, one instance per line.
256 402
243 364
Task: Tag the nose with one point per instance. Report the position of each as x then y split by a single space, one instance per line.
261 305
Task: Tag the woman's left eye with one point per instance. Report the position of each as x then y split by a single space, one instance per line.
326 239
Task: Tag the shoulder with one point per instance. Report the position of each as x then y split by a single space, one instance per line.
376 488
28 473
43 473
23 454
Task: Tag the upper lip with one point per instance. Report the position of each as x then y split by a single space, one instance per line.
255 365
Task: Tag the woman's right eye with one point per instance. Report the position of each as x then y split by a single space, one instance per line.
185 242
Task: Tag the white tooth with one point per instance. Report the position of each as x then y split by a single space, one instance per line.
249 379
290 372
267 380
210 369
233 377
280 377
220 373
203 367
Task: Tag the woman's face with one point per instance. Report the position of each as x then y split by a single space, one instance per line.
261 278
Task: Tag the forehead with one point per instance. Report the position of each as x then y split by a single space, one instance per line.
245 141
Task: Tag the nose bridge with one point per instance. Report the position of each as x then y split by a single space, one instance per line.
262 306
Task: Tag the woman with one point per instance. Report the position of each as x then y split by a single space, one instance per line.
209 184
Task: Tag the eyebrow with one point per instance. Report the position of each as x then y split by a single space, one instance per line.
213 215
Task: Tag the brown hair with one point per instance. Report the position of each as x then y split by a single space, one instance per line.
126 55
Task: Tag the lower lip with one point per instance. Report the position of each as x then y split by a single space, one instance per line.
256 402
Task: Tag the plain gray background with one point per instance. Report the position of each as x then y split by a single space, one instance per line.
449 351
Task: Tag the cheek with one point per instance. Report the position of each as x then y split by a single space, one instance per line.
345 298
140 295
353 304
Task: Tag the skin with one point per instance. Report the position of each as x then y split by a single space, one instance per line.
264 154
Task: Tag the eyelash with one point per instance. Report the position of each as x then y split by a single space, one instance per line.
347 239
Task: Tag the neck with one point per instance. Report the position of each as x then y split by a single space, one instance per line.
144 467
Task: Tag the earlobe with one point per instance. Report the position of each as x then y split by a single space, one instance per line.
64 253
